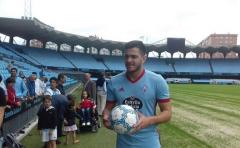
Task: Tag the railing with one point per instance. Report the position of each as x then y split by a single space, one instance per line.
17 118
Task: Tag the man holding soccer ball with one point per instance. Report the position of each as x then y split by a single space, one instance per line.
143 90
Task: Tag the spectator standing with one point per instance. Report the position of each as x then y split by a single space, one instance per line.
61 81
19 86
90 86
12 99
101 93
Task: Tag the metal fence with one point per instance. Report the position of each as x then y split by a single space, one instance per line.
18 118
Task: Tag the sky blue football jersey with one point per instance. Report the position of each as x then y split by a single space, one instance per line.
143 95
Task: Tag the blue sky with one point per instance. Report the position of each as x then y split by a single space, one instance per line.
125 20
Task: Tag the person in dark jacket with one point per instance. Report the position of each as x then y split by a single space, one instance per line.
3 103
61 81
47 122
30 83
70 126
60 103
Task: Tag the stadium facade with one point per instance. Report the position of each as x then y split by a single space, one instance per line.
33 29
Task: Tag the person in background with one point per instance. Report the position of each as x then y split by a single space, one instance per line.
70 126
60 102
19 86
31 86
10 66
40 85
21 75
3 103
12 99
52 90
61 81
47 122
101 93
90 86
2 85
86 107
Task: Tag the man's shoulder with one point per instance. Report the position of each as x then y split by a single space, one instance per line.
154 76
118 77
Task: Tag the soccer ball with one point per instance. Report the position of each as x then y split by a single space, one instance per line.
123 117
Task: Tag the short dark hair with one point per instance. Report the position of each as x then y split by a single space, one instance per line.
61 76
10 80
137 44
53 79
71 100
34 73
47 97
14 68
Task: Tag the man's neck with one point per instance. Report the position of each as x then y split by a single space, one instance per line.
135 75
54 88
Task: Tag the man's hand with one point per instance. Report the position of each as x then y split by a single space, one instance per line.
143 122
106 118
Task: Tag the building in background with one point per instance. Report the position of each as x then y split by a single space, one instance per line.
217 41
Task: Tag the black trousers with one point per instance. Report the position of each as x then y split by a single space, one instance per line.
59 127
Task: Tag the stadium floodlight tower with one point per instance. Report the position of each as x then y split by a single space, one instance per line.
27 9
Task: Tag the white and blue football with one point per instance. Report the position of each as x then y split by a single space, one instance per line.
123 117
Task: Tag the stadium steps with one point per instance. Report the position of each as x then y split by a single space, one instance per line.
211 67
20 55
172 64
98 59
68 60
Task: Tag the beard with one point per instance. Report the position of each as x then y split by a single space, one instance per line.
133 69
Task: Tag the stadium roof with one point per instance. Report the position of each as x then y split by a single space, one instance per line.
34 29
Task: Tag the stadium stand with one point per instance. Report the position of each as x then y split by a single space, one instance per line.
159 65
84 61
192 65
226 66
113 62
47 57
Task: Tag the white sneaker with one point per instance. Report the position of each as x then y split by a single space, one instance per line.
88 123
83 124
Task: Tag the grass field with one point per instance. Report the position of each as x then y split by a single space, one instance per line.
203 116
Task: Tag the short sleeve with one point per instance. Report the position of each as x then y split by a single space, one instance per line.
162 92
110 92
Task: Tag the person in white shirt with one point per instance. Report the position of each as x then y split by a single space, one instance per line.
52 90
40 86
101 93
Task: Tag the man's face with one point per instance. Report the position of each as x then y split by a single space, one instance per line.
63 80
13 73
86 77
134 59
33 77
54 84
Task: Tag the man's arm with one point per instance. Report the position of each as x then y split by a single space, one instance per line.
164 116
24 89
94 92
106 113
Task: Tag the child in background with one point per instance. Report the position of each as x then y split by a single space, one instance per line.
87 107
47 122
12 101
70 126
